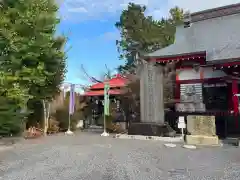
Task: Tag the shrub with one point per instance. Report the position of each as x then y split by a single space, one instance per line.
11 118
62 113
53 125
62 116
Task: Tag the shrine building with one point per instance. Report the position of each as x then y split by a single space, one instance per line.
96 95
206 53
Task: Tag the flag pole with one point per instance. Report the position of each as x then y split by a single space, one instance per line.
71 109
69 132
106 108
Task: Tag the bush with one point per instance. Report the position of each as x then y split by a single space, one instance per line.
36 113
62 116
11 119
53 125
62 113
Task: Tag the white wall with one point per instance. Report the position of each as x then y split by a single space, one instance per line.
208 72
187 74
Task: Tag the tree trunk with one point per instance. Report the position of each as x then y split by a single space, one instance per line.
46 114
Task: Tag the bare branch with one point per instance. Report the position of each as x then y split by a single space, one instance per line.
90 78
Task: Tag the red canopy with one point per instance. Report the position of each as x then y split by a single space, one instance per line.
101 92
117 81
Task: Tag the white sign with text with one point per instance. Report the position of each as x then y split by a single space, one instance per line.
181 122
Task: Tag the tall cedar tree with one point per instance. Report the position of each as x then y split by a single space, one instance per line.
143 33
140 33
31 53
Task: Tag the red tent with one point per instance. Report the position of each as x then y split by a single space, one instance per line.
98 88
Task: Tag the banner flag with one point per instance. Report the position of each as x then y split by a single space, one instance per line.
106 99
72 99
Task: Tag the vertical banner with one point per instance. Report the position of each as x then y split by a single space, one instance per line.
106 99
72 99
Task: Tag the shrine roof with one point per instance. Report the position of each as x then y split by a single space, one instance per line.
117 81
215 32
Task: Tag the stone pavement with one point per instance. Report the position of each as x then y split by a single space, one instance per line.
87 156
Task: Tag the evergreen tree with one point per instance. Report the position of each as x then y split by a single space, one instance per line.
32 56
143 34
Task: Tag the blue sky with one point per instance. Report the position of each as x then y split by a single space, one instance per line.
92 35
91 44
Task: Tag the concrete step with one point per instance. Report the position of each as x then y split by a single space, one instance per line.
231 141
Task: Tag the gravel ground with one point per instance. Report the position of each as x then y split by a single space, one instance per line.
87 156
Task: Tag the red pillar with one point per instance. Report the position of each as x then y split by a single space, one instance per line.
177 91
230 99
235 98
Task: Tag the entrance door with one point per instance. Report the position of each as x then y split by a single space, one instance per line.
216 98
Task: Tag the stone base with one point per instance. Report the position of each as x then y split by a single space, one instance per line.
202 140
170 140
151 129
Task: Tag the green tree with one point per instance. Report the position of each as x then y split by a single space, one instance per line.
13 95
30 50
143 34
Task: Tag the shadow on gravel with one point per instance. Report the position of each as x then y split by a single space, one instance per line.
231 142
8 141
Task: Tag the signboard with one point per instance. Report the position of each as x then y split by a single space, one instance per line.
106 99
190 90
181 122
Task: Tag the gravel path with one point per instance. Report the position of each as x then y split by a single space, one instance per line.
87 156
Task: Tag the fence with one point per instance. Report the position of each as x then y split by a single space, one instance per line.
226 124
